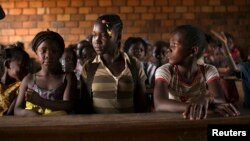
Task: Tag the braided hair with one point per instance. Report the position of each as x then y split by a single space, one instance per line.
48 35
112 23
192 37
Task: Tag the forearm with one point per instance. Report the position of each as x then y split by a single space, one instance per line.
170 106
24 112
57 105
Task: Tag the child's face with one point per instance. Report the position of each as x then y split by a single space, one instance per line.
177 51
86 55
100 39
67 61
48 53
160 55
137 50
18 68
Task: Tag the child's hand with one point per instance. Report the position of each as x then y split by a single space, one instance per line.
197 109
33 97
226 109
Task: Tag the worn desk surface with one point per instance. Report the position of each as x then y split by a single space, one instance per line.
144 126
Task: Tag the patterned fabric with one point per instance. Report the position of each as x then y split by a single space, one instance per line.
7 95
54 94
181 90
113 94
149 69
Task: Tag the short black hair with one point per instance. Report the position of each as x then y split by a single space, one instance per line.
84 44
192 37
47 35
135 40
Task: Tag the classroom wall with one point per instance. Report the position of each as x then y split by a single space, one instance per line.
151 19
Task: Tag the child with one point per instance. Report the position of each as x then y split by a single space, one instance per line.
181 85
115 81
15 68
69 60
50 89
160 53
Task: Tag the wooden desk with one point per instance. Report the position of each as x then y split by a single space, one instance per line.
116 127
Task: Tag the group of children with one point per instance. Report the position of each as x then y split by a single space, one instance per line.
96 76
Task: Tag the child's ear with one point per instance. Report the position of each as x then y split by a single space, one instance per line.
7 63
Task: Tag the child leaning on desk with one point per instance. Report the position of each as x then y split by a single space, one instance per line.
184 86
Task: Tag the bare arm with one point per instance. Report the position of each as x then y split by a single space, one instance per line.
161 100
20 102
66 104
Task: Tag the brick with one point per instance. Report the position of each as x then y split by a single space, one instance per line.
140 23
240 2
201 2
63 3
21 4
174 2
142 35
118 3
44 24
49 17
126 9
154 10
41 11
133 2
174 16
4 39
166 37
34 31
207 22
14 39
90 3
208 9
28 38
6 5
133 30
29 11
36 18
77 31
35 4
71 24
72 38
91 17
214 2
188 2
86 24
16 25
57 24
22 32
99 10
127 23
167 9
147 16
134 17
76 3
8 31
147 2
15 11
56 10
154 36
140 9
219 9
167 23
188 16
84 10
105 2
77 17
180 9
29 24
64 17
70 10
161 2
64 31
195 9
161 16
49 3
113 10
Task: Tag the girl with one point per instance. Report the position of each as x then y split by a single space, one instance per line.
181 85
15 68
115 81
50 89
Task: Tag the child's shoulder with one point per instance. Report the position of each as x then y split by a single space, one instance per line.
28 78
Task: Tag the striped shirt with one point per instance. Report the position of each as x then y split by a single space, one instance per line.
114 94
182 91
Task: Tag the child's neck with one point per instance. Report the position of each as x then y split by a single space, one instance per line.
188 71
6 79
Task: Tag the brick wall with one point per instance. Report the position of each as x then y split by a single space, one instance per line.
151 19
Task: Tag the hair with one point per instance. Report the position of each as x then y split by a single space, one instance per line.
85 45
71 50
112 22
192 37
48 35
135 40
161 44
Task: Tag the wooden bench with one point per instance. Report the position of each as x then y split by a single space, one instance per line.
117 127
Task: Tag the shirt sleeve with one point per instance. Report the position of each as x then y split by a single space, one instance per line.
163 73
211 73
